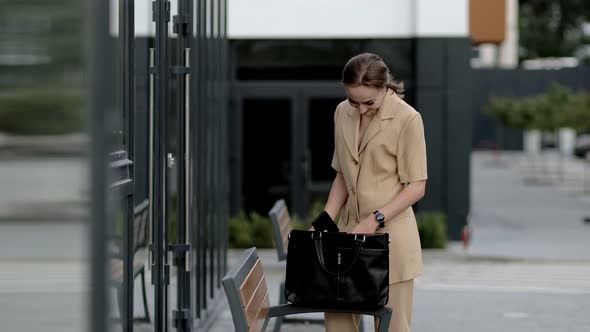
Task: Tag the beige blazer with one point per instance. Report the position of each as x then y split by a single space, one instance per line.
391 153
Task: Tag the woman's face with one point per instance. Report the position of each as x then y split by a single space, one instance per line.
366 99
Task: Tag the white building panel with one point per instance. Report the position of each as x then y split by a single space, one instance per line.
144 24
347 18
269 19
438 18
319 18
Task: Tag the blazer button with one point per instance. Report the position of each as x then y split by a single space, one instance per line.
352 190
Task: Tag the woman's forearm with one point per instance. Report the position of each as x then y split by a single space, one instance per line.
337 197
411 194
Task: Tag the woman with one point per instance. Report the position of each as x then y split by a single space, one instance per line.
380 160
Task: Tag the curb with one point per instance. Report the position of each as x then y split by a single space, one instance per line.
46 211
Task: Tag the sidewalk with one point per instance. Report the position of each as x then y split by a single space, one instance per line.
512 216
527 268
44 188
464 293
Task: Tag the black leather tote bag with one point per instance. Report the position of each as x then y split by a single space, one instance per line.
337 270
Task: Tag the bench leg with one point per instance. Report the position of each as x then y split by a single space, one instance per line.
120 302
383 319
280 320
282 300
145 304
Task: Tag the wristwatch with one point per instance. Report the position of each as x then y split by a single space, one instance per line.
380 218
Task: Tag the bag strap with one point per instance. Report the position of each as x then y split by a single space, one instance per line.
320 252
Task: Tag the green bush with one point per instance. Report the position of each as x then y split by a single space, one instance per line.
41 112
520 113
299 224
502 108
240 234
314 210
552 105
556 107
577 113
256 230
250 230
261 231
432 228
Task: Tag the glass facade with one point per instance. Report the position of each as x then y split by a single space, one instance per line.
304 74
165 194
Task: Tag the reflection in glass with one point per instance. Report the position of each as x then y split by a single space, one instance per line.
44 192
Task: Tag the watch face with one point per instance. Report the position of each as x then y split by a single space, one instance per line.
380 216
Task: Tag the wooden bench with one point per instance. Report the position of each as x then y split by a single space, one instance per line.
140 222
247 293
281 227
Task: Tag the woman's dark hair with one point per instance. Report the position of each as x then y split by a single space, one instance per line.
370 70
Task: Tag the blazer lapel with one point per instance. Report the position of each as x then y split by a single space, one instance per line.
386 111
350 132
374 128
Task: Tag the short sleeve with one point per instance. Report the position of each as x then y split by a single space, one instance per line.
411 150
335 163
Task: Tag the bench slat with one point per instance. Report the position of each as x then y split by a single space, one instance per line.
286 243
284 217
251 282
286 228
261 316
257 305
285 225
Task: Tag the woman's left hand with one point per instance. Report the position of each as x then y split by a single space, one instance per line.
366 226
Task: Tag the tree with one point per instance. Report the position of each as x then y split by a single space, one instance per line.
50 31
552 28
577 112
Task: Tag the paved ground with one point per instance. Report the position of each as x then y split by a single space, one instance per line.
527 269
528 266
513 216
43 188
465 293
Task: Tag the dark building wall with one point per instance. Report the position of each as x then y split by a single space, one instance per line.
514 82
304 75
443 80
437 78
314 60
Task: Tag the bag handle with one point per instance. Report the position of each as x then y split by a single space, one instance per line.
320 253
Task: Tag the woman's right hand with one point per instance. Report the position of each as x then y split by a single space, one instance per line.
311 229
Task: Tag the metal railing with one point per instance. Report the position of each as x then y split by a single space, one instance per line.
188 122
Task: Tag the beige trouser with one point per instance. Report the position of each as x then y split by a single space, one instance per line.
401 300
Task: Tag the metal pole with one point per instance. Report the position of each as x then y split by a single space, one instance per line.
160 270
196 109
202 151
210 145
98 15
182 313
198 102
216 135
221 151
225 82
126 35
